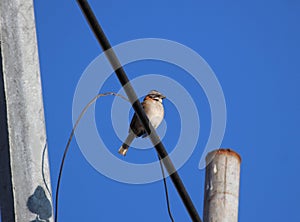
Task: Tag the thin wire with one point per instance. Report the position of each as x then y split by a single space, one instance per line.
166 189
68 146
70 139
43 170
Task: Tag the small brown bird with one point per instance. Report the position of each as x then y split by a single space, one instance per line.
154 110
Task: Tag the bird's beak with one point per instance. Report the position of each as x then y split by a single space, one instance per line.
162 96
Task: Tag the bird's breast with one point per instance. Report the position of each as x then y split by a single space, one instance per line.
154 111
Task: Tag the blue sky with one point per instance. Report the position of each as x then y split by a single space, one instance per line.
253 48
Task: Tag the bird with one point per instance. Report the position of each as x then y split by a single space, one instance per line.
154 109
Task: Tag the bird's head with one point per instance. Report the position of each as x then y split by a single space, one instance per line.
155 95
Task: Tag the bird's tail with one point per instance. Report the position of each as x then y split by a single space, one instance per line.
124 148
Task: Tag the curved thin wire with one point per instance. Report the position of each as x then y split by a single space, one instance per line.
166 189
70 139
43 169
68 146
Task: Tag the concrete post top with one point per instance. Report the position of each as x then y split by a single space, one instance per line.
223 151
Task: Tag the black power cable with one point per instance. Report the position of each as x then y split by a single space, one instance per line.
111 56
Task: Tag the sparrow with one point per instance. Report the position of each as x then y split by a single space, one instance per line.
153 107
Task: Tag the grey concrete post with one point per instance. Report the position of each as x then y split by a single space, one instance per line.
222 179
25 193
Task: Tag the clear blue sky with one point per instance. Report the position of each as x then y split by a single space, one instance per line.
253 48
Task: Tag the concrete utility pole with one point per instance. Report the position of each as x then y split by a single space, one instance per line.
222 179
25 193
